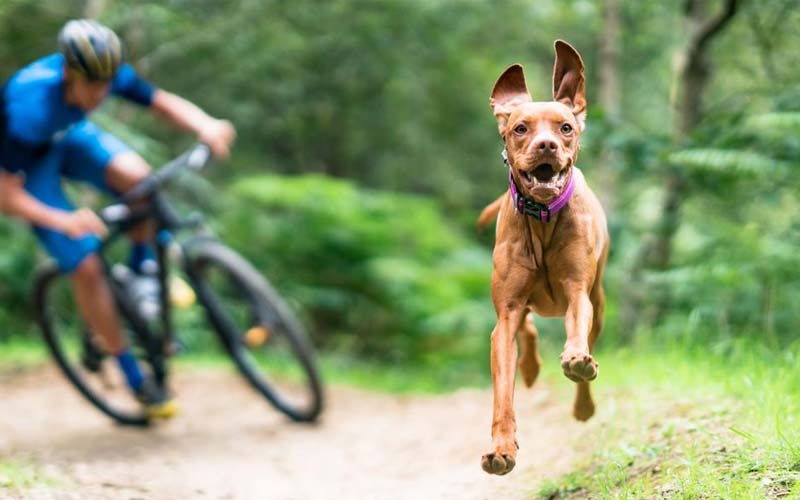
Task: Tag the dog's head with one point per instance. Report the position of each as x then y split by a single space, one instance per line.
542 137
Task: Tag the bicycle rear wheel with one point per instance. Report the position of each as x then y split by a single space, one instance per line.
260 332
78 352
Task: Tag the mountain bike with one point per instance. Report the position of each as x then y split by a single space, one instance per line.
202 283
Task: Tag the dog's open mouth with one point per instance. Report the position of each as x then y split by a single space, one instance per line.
544 172
543 180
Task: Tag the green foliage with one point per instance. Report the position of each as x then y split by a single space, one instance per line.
732 163
17 261
377 273
735 261
775 123
393 96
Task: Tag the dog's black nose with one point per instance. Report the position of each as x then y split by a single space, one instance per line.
546 145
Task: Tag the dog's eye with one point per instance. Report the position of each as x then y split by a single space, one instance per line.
520 129
566 129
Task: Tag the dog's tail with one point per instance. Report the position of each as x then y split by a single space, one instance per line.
490 212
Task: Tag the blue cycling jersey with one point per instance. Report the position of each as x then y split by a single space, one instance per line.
35 116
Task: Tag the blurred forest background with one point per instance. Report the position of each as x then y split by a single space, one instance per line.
367 148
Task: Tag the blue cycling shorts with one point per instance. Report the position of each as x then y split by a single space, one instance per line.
83 154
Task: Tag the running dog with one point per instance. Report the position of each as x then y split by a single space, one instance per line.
551 244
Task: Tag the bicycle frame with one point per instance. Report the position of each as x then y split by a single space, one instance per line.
144 203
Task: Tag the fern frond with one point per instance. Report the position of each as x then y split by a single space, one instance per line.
727 161
773 123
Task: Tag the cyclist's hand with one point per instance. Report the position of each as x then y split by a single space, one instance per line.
219 135
82 222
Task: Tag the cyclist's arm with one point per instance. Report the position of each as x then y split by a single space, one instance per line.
218 134
16 201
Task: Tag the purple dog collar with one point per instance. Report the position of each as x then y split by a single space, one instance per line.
540 211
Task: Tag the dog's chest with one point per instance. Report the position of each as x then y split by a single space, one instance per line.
546 297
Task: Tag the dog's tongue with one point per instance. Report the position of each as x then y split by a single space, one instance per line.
544 172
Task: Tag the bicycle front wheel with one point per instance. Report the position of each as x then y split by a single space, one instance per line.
259 330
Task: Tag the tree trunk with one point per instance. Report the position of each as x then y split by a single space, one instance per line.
693 73
609 96
609 60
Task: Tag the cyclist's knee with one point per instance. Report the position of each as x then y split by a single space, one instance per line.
89 270
126 170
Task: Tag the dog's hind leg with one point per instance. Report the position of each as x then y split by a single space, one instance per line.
583 408
530 362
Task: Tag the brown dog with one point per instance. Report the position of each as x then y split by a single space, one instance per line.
551 244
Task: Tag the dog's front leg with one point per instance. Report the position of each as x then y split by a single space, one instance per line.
576 360
502 458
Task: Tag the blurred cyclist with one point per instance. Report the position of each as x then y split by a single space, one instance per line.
45 135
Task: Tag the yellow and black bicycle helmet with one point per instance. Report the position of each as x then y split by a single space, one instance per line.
91 49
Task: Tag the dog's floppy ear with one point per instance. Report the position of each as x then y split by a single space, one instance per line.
568 82
509 91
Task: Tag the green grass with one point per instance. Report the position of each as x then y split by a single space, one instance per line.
404 379
693 423
341 369
20 474
19 354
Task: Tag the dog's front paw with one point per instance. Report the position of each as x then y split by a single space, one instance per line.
502 459
579 366
498 463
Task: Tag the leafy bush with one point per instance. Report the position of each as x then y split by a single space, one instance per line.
379 274
17 262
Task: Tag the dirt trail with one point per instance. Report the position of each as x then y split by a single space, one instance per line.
228 444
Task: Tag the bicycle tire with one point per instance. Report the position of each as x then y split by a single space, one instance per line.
268 306
45 279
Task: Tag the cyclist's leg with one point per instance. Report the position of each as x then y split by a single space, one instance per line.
88 154
125 170
96 303
75 257
99 158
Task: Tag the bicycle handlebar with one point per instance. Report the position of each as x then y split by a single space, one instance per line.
195 158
